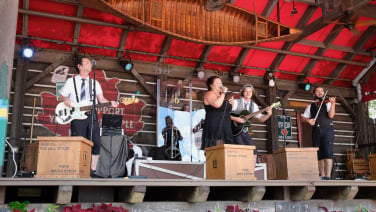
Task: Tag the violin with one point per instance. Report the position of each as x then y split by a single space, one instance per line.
326 100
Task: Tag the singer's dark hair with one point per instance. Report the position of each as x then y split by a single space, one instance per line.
210 81
77 60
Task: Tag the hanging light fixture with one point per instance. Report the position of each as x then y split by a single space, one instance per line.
294 10
126 63
306 85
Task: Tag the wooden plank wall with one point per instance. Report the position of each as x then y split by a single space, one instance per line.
343 123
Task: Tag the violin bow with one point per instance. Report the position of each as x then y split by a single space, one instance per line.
322 102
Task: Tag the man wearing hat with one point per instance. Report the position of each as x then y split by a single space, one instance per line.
245 103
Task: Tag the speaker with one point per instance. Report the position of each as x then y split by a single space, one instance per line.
111 125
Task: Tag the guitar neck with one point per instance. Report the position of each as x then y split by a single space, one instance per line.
89 107
255 113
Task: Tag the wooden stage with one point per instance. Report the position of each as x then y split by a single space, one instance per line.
193 195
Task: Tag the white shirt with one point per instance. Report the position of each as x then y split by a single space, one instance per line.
307 112
68 89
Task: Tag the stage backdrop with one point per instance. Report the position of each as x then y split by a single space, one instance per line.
189 146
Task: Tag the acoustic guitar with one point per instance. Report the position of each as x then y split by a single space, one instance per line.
237 128
65 114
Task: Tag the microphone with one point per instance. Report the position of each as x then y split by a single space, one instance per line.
94 62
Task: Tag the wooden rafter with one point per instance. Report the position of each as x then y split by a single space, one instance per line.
25 19
269 8
239 60
320 52
77 27
288 45
164 50
204 56
123 40
321 22
46 71
350 56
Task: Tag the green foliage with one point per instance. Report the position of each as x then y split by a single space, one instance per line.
18 206
52 208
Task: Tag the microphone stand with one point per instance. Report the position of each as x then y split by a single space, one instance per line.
93 111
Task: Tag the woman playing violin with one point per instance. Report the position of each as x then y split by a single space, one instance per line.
320 118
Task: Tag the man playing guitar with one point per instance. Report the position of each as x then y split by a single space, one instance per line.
77 89
245 103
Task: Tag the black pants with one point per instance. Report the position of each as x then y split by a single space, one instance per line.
83 128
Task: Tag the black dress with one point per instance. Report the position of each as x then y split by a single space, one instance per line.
217 125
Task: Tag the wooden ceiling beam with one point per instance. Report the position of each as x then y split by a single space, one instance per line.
25 18
122 42
239 60
269 8
164 50
204 56
320 52
288 45
321 22
320 44
77 27
350 56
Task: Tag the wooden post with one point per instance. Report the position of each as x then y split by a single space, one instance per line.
8 25
272 143
18 108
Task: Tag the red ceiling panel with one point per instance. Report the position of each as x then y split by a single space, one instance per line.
53 7
101 16
334 54
346 38
223 54
260 59
184 49
100 36
146 42
250 5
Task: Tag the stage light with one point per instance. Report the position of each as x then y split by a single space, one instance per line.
269 77
127 62
127 65
199 73
306 85
236 77
27 51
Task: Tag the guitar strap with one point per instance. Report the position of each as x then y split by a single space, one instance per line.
75 87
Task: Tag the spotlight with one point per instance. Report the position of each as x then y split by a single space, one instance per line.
269 76
306 85
127 62
127 65
235 76
27 51
199 73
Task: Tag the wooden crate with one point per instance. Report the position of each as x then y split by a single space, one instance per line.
296 164
64 157
29 163
230 162
372 165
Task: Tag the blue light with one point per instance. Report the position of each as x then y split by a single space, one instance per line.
27 52
128 66
307 87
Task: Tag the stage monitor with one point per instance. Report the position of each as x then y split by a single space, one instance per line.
112 121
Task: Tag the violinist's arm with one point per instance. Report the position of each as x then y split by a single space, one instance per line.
332 109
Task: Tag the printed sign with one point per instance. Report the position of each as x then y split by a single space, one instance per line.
284 127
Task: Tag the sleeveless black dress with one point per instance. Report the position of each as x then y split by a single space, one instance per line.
217 125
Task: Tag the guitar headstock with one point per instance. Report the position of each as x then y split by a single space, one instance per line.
129 100
276 105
